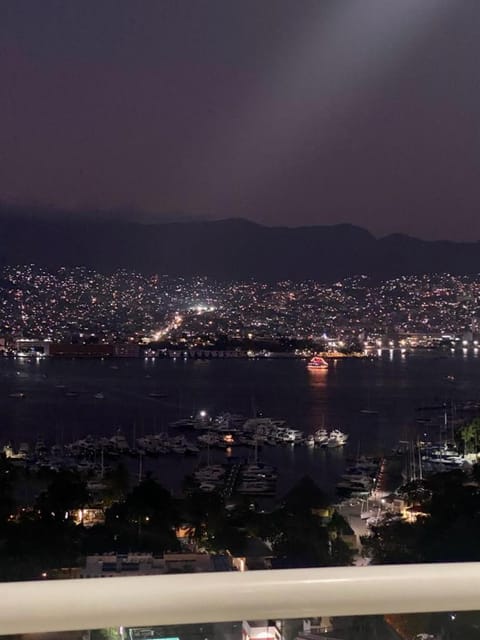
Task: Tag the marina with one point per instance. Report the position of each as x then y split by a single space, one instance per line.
282 413
94 455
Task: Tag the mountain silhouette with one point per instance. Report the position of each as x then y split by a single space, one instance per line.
226 249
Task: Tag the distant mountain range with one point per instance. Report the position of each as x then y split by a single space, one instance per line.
227 249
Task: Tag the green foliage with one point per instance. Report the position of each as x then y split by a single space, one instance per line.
67 491
117 483
305 496
204 512
470 436
144 521
7 502
300 536
45 538
339 525
34 545
304 542
450 531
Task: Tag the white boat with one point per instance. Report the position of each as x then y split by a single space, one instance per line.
292 436
258 468
211 470
355 486
149 445
336 438
212 474
99 396
11 455
207 487
355 477
321 437
180 449
191 448
256 487
185 423
234 420
119 443
310 440
259 477
210 439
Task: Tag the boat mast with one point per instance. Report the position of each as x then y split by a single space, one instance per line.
452 418
420 470
412 461
445 424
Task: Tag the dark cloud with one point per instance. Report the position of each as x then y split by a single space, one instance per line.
286 112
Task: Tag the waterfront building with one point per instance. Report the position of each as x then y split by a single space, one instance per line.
67 350
126 350
32 347
144 564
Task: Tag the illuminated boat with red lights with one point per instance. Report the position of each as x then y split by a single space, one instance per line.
317 362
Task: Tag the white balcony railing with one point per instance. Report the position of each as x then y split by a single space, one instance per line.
220 597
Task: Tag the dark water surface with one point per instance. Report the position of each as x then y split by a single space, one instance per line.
394 386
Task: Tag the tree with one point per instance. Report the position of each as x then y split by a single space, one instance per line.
304 542
117 483
448 532
146 520
204 513
67 491
7 502
304 497
470 435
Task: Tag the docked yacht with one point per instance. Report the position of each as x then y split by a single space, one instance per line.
321 437
336 438
209 439
184 423
361 485
150 446
213 474
207 487
12 455
119 444
293 436
255 487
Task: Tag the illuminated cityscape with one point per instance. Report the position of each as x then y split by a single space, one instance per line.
78 304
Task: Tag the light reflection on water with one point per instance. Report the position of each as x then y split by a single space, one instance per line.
395 385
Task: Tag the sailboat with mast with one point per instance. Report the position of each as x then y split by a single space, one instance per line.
368 410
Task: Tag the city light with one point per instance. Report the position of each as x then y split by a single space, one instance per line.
421 311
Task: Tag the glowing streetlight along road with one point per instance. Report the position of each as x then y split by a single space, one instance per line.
171 326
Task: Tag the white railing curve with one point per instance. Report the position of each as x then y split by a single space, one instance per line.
63 605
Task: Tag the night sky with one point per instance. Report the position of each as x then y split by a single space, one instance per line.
282 111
